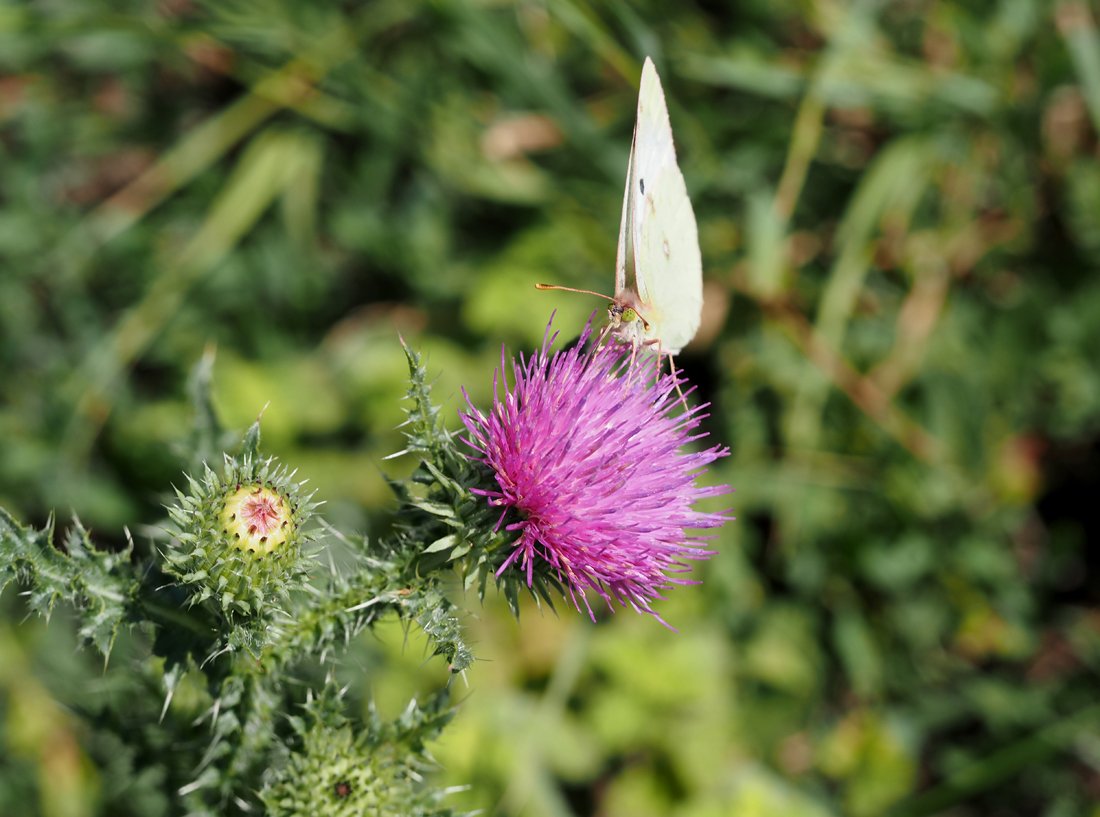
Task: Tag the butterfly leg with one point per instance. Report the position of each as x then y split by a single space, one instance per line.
679 391
661 354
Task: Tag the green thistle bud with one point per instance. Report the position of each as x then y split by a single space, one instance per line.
340 771
330 774
239 536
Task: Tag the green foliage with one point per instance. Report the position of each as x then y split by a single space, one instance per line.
898 215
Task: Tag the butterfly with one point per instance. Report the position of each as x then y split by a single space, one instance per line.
658 299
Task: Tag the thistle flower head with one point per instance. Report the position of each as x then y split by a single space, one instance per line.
590 452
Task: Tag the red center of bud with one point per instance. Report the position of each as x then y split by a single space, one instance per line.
260 514
256 519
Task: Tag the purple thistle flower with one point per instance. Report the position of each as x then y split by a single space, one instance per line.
589 448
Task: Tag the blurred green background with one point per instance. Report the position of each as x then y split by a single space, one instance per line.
899 211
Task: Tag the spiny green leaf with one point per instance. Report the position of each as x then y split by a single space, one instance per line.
101 584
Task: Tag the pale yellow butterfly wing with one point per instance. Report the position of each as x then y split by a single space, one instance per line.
658 231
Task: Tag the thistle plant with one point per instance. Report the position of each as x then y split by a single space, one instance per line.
580 479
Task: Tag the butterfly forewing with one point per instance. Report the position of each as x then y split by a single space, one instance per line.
658 270
658 254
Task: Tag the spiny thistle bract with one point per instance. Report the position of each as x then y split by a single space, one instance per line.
239 535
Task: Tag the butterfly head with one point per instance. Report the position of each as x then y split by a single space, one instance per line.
621 314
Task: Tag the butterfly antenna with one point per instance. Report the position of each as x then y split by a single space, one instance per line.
572 289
